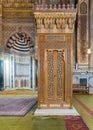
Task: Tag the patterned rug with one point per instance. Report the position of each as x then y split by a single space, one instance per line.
75 123
16 106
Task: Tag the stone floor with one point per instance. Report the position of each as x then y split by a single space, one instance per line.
55 112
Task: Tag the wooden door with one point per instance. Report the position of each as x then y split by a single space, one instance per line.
54 67
54 71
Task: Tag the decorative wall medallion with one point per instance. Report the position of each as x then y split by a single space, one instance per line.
83 8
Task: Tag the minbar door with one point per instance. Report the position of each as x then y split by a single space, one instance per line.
55 77
54 71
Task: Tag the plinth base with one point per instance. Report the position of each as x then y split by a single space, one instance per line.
56 112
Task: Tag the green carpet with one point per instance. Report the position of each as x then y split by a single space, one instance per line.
29 122
87 99
49 123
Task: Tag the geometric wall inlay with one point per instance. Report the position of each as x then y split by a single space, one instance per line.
83 32
60 38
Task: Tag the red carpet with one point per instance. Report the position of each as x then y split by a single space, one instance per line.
75 123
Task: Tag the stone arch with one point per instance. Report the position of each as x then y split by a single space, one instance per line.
21 42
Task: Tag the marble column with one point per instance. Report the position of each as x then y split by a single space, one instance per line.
12 72
33 73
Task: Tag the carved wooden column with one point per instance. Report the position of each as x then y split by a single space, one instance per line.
55 42
83 32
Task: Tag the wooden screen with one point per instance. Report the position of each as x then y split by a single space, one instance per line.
55 76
